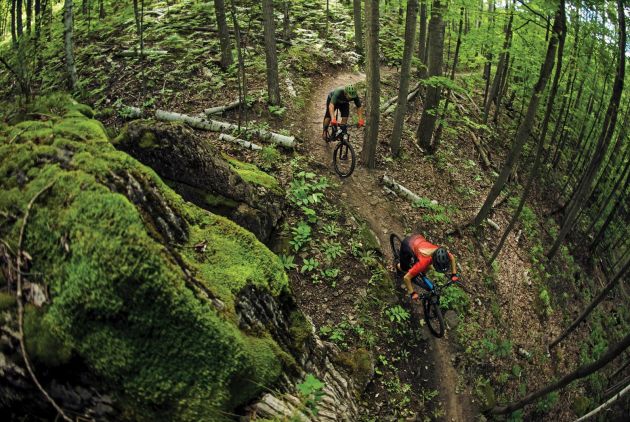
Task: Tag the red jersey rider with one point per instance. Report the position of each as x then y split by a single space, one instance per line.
417 254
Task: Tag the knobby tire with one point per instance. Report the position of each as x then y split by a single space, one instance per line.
343 149
433 314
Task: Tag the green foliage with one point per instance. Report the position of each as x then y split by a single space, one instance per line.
269 157
43 342
545 404
305 190
309 265
455 298
436 213
301 235
331 229
312 391
277 111
332 250
545 299
397 314
288 262
251 173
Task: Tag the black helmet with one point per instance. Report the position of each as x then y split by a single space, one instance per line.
441 260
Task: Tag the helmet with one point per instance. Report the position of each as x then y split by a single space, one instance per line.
351 91
441 260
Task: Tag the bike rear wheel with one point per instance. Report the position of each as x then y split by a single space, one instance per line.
433 316
344 159
395 243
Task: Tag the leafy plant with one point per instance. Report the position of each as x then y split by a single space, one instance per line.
332 250
269 157
311 390
331 229
305 190
277 111
397 314
309 265
288 262
301 235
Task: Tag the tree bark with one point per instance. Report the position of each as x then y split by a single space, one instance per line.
432 102
605 405
286 20
224 34
18 19
591 305
370 140
543 134
525 127
69 45
358 27
13 29
581 372
273 86
29 15
422 41
401 107
600 233
101 9
242 80
496 84
604 139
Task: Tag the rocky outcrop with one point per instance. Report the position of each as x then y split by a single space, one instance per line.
141 306
236 190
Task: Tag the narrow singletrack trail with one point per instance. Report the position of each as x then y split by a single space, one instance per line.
362 191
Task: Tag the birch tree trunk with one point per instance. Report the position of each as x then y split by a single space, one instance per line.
370 140
224 34
432 102
401 106
69 44
526 125
273 87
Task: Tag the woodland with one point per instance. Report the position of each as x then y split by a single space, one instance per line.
176 243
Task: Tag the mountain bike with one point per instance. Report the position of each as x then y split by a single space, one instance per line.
430 298
344 158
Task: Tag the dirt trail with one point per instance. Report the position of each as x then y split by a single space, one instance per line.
363 192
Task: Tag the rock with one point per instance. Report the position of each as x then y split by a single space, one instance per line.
239 191
452 319
524 353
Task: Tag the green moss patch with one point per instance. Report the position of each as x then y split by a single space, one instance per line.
251 173
123 298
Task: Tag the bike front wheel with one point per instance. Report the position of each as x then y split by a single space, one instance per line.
344 159
433 316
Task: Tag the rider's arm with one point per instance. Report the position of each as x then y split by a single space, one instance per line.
331 110
453 263
360 112
407 280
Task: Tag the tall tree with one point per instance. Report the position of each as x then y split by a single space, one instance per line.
422 40
370 140
527 123
358 27
18 19
432 102
224 34
273 85
493 95
401 106
71 69
543 134
610 121
581 372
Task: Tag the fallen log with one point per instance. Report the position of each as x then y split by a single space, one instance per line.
221 109
389 104
482 152
399 189
217 126
134 52
241 142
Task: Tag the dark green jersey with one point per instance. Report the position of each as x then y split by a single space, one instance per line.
338 97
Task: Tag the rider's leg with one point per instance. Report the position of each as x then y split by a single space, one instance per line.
406 256
345 112
326 121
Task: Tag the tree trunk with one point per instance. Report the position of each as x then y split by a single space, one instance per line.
432 102
224 34
101 9
606 405
242 80
604 139
29 15
581 372
69 45
136 15
273 87
422 41
286 20
543 134
620 274
525 127
13 29
401 107
600 234
496 84
18 19
370 140
458 45
358 27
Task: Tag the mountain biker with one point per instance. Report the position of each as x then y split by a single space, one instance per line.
339 99
417 254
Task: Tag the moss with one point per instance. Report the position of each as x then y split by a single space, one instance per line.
120 301
581 405
148 140
301 330
7 301
358 363
251 173
42 345
219 201
368 238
